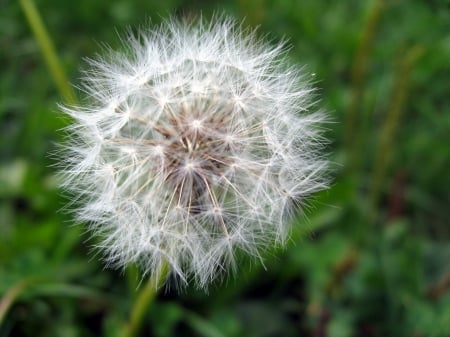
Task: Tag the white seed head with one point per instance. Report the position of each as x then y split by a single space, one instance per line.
197 141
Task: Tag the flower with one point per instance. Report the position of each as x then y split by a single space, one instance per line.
194 143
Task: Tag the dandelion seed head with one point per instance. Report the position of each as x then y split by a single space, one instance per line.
196 142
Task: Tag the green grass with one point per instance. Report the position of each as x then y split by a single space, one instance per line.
371 256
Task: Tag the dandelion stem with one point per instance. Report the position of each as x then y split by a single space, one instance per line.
143 300
48 50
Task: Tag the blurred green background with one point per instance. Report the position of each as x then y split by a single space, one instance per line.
370 257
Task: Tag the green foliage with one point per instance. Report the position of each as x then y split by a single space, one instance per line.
370 258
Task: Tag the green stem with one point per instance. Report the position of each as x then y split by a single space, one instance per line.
386 143
132 274
143 300
48 50
10 297
353 119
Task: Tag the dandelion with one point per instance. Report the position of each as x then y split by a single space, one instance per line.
194 143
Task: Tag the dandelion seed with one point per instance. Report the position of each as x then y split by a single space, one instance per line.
197 142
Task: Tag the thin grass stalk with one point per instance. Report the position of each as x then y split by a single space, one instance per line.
48 50
10 297
352 135
386 145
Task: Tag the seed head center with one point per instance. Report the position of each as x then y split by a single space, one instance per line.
196 124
